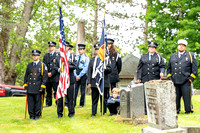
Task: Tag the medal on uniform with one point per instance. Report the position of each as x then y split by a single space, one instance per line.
39 70
54 60
186 58
113 58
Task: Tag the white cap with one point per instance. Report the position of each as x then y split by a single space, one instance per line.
182 41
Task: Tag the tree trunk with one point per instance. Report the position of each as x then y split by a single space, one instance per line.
16 49
146 25
80 34
95 28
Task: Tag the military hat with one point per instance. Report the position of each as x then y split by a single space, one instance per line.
97 46
110 41
52 44
69 45
153 44
81 46
36 52
182 41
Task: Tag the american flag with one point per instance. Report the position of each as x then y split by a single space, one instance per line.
103 52
64 74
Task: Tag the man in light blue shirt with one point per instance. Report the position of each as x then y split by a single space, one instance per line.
80 74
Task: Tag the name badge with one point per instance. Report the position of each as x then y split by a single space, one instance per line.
186 58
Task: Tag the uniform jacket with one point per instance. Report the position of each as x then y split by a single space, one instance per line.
181 69
82 65
33 79
72 67
52 64
116 66
107 70
150 69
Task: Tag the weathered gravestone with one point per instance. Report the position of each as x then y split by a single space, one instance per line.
137 98
161 107
125 102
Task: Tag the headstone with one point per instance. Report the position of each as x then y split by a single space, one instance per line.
125 102
137 101
191 129
161 106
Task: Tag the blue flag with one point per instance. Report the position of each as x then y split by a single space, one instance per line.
103 53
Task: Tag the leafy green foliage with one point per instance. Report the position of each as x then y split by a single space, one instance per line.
170 21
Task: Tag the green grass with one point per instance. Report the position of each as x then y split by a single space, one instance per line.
12 119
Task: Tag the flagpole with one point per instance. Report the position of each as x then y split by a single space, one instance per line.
102 113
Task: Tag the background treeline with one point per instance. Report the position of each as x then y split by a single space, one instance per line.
30 24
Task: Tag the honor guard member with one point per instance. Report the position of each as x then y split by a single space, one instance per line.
116 63
151 66
35 83
52 60
80 74
70 48
70 90
92 72
182 70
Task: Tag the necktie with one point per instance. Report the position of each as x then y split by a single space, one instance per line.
180 55
34 63
78 61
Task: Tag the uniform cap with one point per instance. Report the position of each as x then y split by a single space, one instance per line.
110 41
153 44
69 45
52 44
97 46
81 46
182 41
36 52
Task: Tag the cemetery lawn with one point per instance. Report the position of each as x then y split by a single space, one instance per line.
12 119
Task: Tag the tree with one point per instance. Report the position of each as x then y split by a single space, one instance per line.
170 21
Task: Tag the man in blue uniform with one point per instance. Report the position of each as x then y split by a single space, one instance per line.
70 90
151 66
35 83
182 70
80 74
52 60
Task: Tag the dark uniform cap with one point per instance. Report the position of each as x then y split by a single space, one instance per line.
69 45
97 46
153 44
52 44
81 46
110 41
36 52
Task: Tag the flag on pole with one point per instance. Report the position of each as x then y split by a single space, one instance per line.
64 74
103 53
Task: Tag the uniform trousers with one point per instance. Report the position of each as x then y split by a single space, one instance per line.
185 91
49 87
70 99
95 99
34 105
106 96
113 85
82 83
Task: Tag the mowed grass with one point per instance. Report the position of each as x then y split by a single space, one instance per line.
12 119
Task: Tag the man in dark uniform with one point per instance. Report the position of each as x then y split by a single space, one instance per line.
52 60
151 66
92 73
182 70
80 74
35 83
70 90
116 63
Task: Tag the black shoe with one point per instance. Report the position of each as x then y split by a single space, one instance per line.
178 112
111 114
47 106
93 115
80 106
71 115
33 118
60 116
36 118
